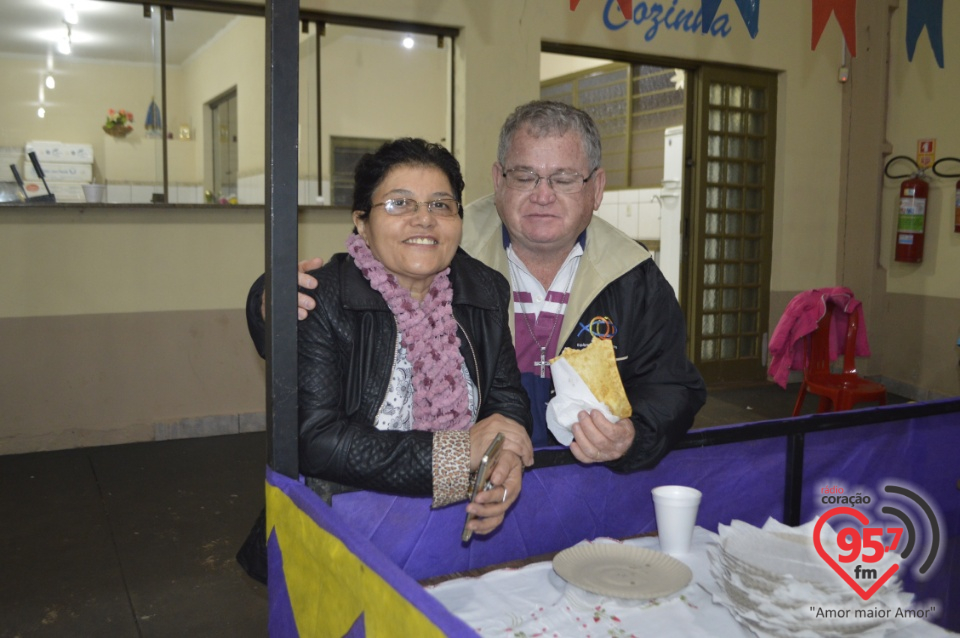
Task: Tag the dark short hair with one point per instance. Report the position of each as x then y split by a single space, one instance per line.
547 118
405 151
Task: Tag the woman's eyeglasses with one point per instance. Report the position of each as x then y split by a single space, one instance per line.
399 206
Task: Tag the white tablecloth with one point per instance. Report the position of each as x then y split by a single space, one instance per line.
534 601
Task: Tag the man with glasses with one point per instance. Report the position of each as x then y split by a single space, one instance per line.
573 277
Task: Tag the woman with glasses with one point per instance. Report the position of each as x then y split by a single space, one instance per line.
574 277
407 370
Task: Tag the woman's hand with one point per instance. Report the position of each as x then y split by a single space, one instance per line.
491 505
516 439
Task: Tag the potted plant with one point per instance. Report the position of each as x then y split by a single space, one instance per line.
118 123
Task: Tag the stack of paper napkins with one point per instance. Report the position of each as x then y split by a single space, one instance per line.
775 583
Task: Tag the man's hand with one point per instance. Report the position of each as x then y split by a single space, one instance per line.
597 440
491 505
304 303
516 439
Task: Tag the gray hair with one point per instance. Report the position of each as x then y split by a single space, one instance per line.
542 118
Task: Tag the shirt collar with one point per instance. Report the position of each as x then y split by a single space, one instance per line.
582 239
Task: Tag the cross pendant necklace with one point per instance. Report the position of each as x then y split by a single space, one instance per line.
542 363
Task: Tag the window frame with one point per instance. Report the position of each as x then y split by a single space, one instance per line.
168 10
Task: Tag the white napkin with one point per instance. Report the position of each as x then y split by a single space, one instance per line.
770 579
572 396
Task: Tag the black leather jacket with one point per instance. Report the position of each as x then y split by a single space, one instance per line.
346 355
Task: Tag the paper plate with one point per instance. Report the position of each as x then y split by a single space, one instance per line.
622 571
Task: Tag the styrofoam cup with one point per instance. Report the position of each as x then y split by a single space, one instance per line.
93 193
676 510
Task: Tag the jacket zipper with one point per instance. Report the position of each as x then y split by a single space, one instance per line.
476 366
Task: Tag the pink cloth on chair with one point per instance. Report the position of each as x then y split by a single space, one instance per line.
800 319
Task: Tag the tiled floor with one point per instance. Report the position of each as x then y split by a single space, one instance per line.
131 540
758 403
140 539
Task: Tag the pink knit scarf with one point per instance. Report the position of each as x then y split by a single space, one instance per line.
429 333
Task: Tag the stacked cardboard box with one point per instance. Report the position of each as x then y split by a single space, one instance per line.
66 168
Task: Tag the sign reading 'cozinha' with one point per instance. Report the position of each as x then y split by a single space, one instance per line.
655 15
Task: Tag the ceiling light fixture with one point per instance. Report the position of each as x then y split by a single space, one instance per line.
50 82
70 15
408 42
64 44
41 112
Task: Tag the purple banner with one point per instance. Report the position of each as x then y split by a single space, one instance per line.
562 505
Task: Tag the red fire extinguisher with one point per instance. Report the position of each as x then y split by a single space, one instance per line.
939 172
956 212
912 219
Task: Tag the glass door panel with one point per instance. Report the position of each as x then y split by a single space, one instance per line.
732 226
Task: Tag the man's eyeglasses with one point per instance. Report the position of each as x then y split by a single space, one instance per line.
399 206
562 182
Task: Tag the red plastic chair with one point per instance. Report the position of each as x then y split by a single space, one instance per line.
837 391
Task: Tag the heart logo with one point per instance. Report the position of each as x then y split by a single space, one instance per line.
865 594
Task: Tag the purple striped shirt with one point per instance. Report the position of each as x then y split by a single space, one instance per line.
546 327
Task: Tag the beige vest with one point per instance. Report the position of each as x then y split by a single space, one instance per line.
609 254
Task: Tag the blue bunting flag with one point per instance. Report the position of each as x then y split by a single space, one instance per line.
749 9
925 13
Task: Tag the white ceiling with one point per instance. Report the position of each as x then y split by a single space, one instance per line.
117 31
105 31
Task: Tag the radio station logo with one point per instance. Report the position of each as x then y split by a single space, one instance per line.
866 541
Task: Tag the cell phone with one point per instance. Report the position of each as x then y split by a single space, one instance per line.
482 481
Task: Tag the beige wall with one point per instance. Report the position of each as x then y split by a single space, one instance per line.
363 77
67 261
123 325
373 78
553 65
91 279
93 89
233 60
923 105
921 317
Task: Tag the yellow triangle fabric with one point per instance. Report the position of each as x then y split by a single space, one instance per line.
330 587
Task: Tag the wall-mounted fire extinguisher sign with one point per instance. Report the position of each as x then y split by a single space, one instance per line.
912 219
